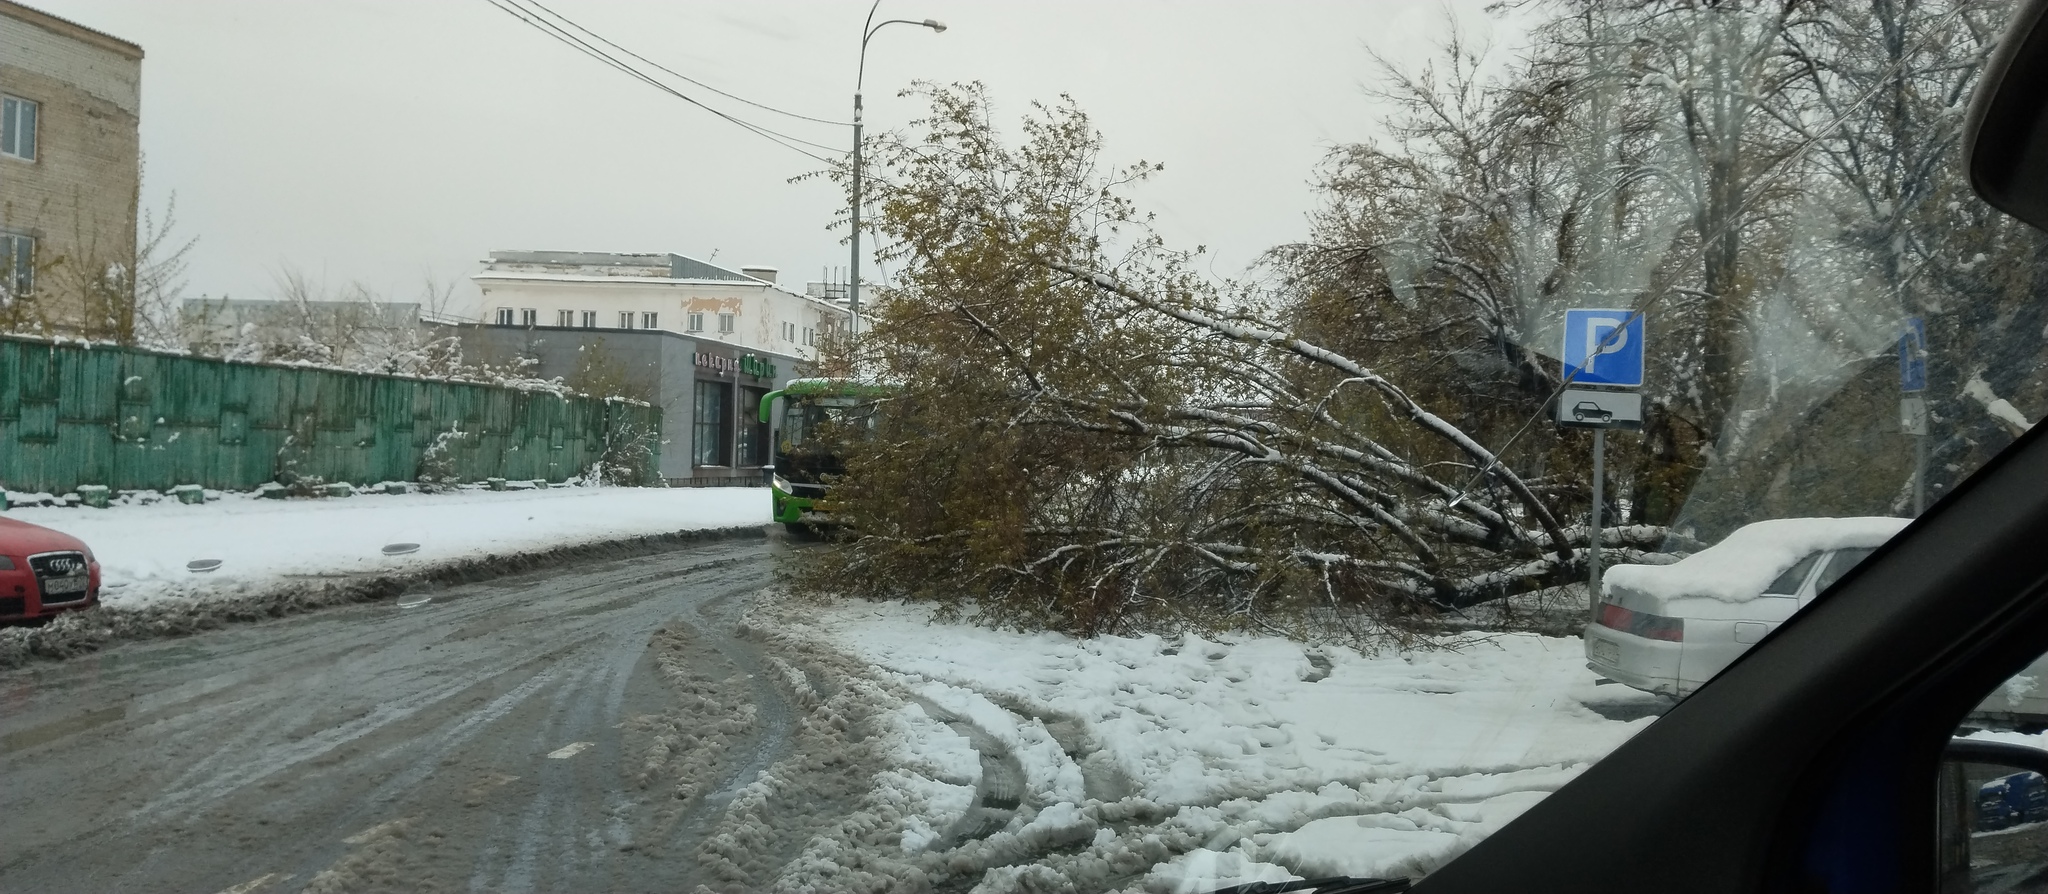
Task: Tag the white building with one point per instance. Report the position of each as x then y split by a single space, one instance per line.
668 292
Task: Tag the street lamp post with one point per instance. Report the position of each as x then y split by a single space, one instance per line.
867 33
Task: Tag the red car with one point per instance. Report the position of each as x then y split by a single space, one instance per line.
44 572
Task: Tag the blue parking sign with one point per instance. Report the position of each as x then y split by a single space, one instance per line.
1913 356
1603 347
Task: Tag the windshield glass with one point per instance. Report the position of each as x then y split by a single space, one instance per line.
1313 433
816 421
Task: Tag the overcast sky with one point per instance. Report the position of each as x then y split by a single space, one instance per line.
388 141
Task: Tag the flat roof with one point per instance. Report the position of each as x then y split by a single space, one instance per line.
680 266
543 276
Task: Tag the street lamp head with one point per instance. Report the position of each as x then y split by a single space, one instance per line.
937 26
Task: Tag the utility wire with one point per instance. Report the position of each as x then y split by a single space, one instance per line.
659 67
784 140
616 62
557 32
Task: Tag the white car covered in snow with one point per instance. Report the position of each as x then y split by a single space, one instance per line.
1670 628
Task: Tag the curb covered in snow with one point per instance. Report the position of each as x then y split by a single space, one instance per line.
78 633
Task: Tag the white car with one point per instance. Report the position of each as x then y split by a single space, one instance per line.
1670 628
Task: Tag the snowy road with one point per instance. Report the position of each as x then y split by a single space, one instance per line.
582 730
657 723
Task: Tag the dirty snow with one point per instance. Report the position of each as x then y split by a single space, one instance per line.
1740 567
1263 759
143 549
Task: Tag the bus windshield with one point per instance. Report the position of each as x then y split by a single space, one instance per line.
814 418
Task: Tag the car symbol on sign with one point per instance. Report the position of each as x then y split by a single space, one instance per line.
1586 409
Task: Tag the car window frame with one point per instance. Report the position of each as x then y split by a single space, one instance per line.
1835 555
1799 590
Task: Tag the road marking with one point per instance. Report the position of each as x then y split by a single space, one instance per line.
569 750
373 831
255 883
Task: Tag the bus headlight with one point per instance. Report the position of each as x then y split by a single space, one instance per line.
782 484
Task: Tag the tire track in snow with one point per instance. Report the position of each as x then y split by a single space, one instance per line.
999 791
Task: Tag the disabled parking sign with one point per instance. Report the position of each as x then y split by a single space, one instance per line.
1603 347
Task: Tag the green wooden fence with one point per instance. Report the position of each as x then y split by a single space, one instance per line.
72 414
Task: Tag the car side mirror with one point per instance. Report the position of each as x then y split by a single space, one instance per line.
2005 137
1992 829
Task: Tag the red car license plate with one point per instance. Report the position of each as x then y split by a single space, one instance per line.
53 585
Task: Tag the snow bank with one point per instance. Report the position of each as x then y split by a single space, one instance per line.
143 549
1740 567
1264 758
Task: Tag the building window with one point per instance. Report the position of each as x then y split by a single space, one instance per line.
18 127
625 319
590 319
708 428
697 322
647 320
810 335
565 318
725 322
529 317
504 316
17 262
753 432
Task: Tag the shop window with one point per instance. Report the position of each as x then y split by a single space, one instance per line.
709 441
753 446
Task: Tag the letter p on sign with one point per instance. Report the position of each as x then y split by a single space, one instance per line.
1603 347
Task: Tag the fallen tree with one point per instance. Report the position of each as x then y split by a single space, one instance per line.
1088 436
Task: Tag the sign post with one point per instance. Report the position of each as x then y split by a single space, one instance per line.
1603 356
1912 406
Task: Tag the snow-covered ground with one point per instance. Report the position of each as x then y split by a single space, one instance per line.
1265 759
144 550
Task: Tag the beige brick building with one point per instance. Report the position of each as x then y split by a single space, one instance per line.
70 173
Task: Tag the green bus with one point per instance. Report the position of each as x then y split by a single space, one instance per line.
818 415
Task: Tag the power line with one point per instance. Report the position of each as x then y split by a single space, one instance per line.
784 140
658 66
557 32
